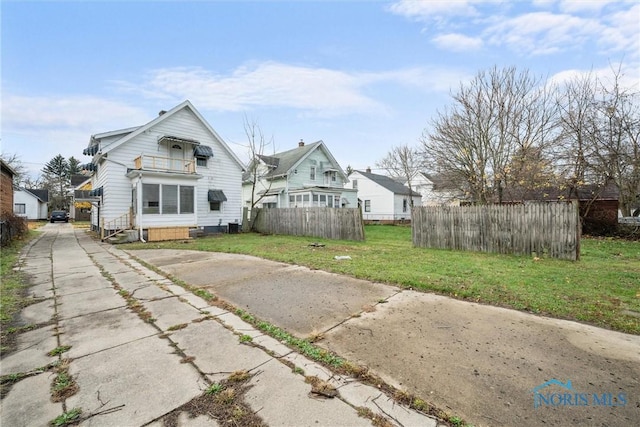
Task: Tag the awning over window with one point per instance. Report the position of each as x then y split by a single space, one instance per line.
91 150
203 151
172 139
217 196
90 167
96 192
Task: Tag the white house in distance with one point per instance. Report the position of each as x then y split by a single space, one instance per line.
383 199
305 176
165 178
30 203
435 190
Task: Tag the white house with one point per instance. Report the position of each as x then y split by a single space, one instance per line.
383 199
305 176
30 203
435 190
165 178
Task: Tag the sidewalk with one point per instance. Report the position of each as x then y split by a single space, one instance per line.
143 351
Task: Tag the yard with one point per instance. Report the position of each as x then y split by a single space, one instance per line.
602 289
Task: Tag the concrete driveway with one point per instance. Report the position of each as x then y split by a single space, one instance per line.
492 366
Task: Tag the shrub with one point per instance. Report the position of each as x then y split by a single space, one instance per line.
11 227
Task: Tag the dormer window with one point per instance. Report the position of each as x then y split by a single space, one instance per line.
176 147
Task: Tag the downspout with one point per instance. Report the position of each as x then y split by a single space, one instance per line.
139 208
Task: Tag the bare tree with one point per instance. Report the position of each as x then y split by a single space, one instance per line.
259 164
402 163
600 135
499 113
18 167
615 133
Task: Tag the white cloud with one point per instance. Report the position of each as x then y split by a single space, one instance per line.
629 76
84 112
38 128
457 42
268 84
560 26
312 91
542 32
573 6
425 10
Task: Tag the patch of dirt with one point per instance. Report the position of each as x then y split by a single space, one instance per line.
223 403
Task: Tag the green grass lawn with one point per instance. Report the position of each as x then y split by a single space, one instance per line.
601 288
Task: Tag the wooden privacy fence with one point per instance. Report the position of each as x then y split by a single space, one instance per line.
328 223
538 228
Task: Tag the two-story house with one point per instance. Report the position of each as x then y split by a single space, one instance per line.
169 176
306 176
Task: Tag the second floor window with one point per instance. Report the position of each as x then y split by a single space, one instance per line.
201 161
312 173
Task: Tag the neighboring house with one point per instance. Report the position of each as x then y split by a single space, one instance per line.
6 187
166 178
598 204
383 199
30 203
80 211
305 176
436 190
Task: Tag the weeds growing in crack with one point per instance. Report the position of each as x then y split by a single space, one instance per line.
245 338
63 385
223 401
321 387
67 418
59 350
376 419
177 327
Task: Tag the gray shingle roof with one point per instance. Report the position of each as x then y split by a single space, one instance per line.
285 160
388 183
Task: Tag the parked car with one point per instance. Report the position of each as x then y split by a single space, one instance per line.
59 216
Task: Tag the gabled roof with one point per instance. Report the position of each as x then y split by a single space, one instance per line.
384 181
41 195
285 162
6 167
131 133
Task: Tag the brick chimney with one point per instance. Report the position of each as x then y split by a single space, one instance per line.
301 143
368 169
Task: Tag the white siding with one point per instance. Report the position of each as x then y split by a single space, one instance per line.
34 209
382 200
222 172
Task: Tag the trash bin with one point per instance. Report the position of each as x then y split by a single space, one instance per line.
234 228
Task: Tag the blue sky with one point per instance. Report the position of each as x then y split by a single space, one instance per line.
363 76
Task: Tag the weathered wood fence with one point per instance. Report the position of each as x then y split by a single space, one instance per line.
328 223
552 229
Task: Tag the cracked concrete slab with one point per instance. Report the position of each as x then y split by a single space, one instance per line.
170 312
128 375
41 312
99 331
274 386
29 403
91 301
221 353
483 362
31 351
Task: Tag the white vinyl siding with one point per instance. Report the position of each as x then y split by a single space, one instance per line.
222 172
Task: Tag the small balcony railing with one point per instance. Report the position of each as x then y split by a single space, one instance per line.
167 164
